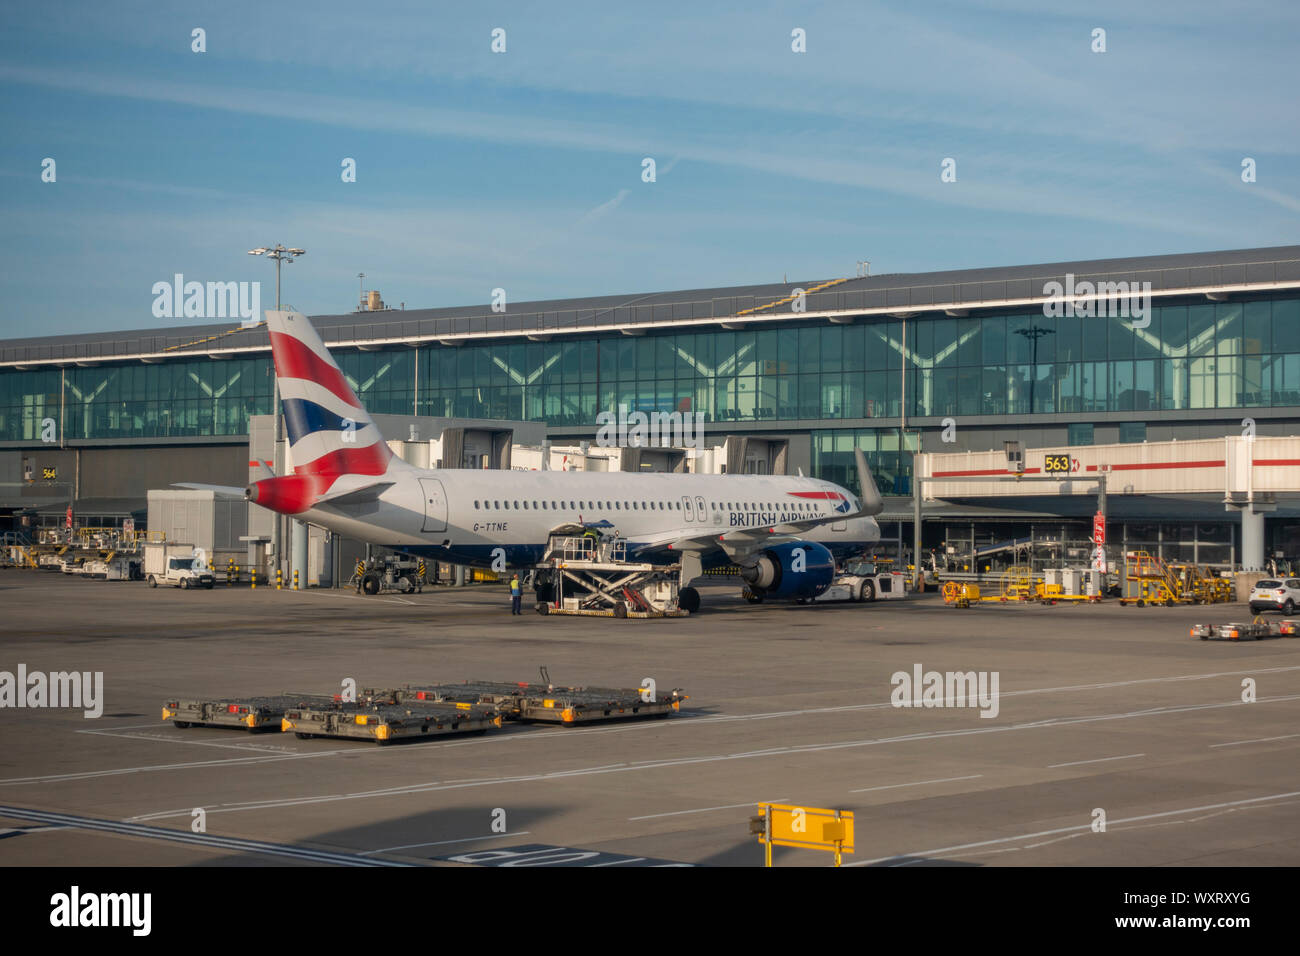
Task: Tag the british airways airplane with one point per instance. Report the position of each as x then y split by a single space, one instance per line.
347 480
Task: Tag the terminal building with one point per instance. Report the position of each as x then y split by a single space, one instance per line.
1086 358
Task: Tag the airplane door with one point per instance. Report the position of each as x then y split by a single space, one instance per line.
435 505
700 509
686 507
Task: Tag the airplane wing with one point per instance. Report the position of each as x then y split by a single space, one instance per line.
222 491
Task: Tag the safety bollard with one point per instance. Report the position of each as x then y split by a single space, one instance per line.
295 579
279 579
254 579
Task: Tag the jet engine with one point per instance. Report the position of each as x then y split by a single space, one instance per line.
796 569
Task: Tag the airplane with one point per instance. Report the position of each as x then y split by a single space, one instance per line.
783 532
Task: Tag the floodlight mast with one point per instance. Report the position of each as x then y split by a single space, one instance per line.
280 254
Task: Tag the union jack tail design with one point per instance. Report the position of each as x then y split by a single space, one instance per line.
330 433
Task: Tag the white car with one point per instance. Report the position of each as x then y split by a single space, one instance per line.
1274 594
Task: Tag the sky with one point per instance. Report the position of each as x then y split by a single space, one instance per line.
524 169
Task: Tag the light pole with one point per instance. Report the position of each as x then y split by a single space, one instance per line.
1034 333
280 254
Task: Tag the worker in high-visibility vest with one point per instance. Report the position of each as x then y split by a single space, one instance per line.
516 594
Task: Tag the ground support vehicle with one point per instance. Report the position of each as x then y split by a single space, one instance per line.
176 565
587 573
386 721
546 703
390 572
1149 580
242 713
864 581
1256 630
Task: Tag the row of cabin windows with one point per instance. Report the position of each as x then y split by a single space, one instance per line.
498 505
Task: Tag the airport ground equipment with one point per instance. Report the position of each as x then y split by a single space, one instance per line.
384 720
1149 580
548 704
1257 629
242 713
865 581
587 572
115 566
176 565
811 828
389 572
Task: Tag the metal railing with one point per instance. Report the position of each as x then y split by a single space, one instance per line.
881 298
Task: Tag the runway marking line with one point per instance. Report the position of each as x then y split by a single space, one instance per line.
1077 763
1257 740
919 783
204 840
730 806
412 846
909 858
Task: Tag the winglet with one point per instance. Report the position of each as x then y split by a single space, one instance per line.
872 503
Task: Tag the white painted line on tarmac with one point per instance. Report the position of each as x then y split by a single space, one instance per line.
434 786
205 840
412 846
1257 740
919 783
372 599
905 859
1078 763
263 748
190 765
730 806
573 733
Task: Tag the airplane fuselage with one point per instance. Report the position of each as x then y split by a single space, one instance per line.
477 517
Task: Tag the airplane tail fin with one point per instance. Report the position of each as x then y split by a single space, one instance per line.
330 433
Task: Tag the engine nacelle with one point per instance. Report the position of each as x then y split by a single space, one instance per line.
796 569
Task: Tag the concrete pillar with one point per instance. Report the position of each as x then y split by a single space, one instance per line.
1252 539
299 554
460 575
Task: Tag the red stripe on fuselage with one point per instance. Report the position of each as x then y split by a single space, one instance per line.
819 495
293 359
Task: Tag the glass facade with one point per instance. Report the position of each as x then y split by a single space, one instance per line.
1204 355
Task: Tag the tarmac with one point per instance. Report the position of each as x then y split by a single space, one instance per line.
1117 738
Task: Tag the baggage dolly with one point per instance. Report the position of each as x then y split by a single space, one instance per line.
548 704
385 721
253 714
1257 629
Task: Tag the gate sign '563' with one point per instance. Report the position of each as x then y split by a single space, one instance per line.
1059 464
